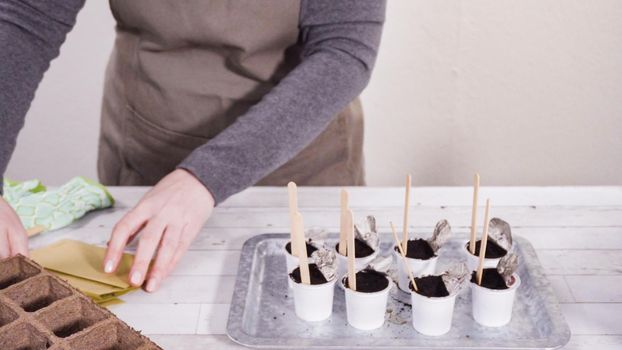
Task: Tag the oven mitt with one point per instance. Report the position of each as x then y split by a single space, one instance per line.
13 190
48 210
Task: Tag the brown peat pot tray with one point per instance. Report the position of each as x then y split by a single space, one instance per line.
40 311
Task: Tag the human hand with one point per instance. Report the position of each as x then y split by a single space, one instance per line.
13 236
168 217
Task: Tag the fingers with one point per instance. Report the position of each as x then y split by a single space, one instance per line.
131 223
166 251
179 201
190 231
5 250
13 236
18 240
147 245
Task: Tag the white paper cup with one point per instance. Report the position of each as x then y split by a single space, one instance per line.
493 307
313 302
366 311
359 263
432 316
473 261
418 267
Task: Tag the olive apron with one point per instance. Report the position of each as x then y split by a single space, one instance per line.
182 71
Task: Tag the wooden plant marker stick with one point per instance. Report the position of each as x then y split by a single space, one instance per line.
292 191
403 255
406 209
483 244
303 261
343 224
35 230
351 251
474 214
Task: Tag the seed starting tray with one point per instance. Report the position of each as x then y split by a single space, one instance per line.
40 311
262 308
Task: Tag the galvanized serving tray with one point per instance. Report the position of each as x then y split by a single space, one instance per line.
262 309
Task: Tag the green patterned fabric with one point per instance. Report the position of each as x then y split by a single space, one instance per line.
55 208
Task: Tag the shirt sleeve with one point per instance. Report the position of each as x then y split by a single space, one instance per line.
31 33
340 42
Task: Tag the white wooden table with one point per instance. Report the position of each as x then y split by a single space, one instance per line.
577 232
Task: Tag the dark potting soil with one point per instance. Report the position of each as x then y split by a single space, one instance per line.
491 279
369 281
310 248
317 277
493 250
361 249
430 286
418 249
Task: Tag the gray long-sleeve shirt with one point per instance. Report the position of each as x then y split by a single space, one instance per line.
340 40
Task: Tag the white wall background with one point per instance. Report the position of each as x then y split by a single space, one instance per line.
527 92
60 138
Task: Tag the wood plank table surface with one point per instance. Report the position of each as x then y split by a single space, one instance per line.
576 231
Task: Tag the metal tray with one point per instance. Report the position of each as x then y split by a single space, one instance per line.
262 310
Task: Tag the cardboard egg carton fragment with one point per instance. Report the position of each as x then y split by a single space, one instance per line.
440 236
506 268
456 278
326 261
368 233
382 263
500 232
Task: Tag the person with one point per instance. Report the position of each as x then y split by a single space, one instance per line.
202 99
